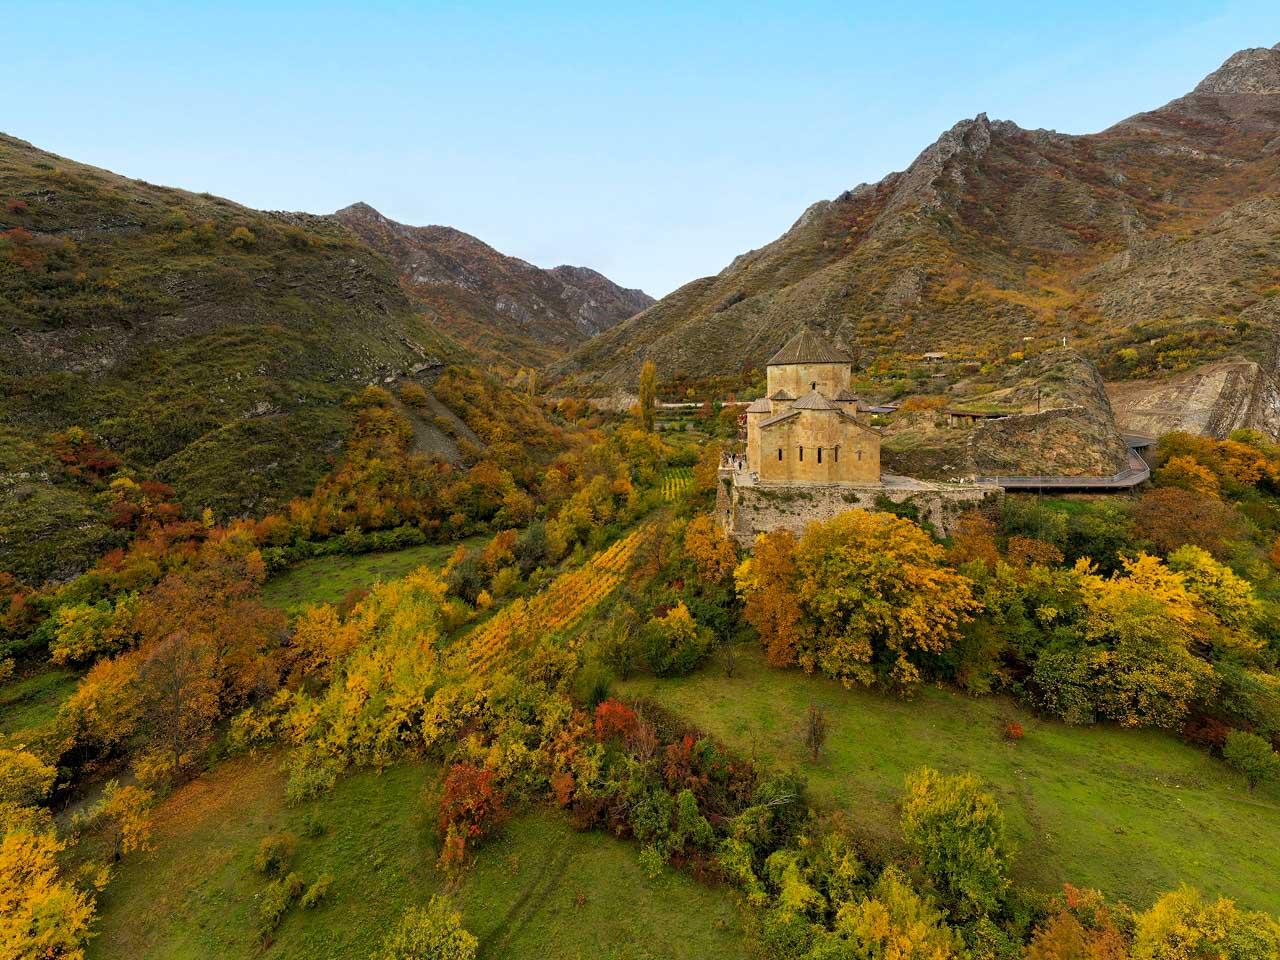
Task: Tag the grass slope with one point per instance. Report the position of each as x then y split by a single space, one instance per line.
29 706
194 896
328 579
1129 812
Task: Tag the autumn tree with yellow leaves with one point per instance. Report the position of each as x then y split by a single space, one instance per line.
766 581
877 598
711 550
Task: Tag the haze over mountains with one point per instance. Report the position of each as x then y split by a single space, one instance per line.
1153 246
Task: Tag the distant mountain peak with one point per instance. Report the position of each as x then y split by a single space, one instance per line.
499 305
1255 70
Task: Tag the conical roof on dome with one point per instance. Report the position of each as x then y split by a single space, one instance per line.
807 347
782 394
760 406
813 400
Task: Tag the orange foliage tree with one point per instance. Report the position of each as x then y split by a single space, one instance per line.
1172 516
766 582
974 540
471 805
710 549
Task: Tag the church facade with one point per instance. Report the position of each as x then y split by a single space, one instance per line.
810 427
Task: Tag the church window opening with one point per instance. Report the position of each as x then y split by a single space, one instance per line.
779 453
819 454
802 454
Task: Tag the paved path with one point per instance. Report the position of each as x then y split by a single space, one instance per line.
1137 472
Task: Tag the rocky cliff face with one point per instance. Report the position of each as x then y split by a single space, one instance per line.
499 305
1256 70
1211 400
1153 246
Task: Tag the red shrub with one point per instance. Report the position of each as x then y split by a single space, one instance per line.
471 806
1013 730
1206 732
615 719
682 766
155 490
562 787
471 800
123 516
16 206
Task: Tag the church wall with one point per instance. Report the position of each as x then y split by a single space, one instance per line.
753 439
797 378
858 460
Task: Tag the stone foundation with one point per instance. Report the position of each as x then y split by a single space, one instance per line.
746 508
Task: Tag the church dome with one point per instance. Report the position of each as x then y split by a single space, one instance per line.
807 347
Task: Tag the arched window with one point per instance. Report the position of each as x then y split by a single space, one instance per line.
859 454
835 451
802 454
819 454
813 384
779 453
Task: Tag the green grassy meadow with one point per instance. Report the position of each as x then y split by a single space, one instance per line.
538 890
328 579
1130 812
32 702
29 707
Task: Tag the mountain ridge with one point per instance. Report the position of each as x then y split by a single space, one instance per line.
205 344
500 305
996 233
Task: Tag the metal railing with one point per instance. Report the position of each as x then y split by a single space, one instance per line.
1137 472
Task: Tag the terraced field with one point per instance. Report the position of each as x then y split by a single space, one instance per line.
676 482
562 604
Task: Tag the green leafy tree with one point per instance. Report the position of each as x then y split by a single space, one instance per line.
957 829
648 393
1252 757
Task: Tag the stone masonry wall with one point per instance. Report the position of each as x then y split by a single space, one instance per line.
747 510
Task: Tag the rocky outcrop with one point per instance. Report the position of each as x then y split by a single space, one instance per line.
1212 400
1064 425
1057 421
1256 70
1063 442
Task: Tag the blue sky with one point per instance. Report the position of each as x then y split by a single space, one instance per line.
651 141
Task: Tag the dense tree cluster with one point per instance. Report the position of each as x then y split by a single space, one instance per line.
1091 611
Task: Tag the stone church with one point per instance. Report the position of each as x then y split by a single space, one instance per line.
809 427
